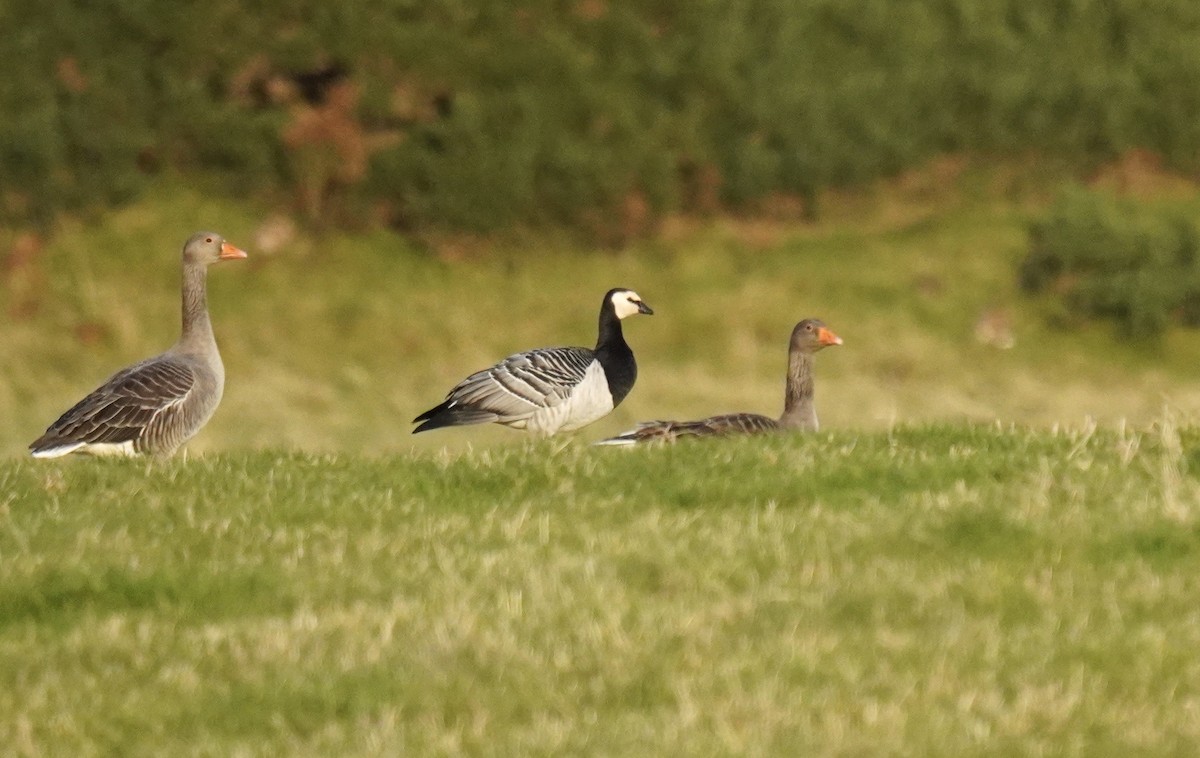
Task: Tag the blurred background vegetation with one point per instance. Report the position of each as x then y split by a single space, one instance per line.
993 202
425 186
601 115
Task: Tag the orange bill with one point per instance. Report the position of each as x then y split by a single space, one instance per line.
827 337
229 252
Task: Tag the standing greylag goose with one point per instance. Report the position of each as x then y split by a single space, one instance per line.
550 389
808 337
156 405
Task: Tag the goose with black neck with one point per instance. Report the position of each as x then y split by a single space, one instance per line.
546 391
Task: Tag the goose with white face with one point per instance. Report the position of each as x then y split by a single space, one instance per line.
553 389
628 303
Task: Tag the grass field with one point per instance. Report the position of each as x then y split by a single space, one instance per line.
335 343
988 551
963 590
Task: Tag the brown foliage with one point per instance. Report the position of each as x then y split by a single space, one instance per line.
70 76
327 146
1141 173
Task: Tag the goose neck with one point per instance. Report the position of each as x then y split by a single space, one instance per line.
798 410
197 329
611 335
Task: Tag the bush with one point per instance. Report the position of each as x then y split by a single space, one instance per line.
592 113
1106 258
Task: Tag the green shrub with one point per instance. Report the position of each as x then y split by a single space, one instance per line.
589 113
1137 265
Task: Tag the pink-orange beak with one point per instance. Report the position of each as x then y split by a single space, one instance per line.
230 253
826 337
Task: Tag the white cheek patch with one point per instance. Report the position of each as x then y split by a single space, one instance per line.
626 303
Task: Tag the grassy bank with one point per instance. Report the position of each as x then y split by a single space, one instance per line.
988 551
935 591
336 343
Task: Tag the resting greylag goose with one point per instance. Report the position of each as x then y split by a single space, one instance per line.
808 337
551 389
154 406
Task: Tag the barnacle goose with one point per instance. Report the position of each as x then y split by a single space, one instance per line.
549 390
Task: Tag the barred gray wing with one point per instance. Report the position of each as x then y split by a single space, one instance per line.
122 408
733 423
524 382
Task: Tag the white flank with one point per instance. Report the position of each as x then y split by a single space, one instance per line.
619 441
108 448
590 400
58 451
103 449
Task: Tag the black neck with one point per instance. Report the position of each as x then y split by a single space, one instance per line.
614 355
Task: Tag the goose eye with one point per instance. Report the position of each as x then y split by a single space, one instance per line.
208 239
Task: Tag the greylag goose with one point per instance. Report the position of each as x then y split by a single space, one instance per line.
808 337
552 389
154 406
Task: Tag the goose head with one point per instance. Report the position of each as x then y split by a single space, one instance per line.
811 334
205 248
626 302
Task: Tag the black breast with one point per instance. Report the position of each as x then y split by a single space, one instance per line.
620 369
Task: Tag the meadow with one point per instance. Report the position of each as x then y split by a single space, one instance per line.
335 342
987 551
960 590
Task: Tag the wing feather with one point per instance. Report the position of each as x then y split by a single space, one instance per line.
713 426
121 408
522 383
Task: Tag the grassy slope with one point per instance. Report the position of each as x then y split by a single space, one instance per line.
936 591
944 589
336 344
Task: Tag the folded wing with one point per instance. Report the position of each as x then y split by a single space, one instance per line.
713 426
120 410
514 389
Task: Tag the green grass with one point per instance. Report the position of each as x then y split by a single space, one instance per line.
964 590
987 552
334 344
